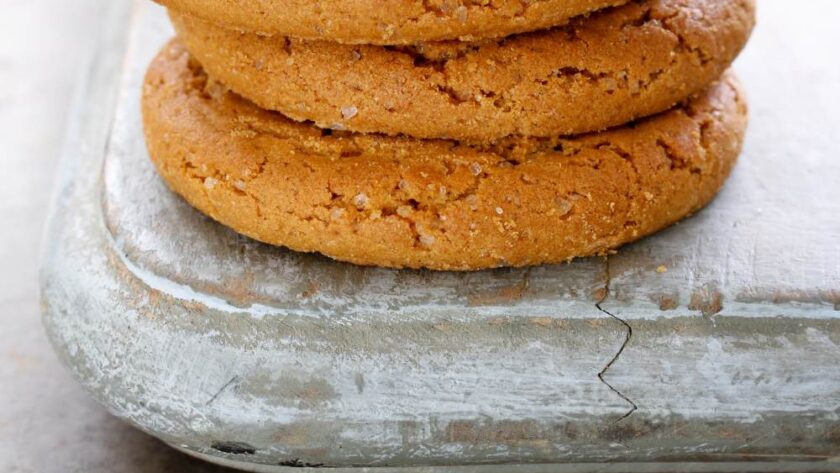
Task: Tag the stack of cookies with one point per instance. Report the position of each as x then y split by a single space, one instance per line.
448 134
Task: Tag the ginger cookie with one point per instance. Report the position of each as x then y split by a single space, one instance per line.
389 22
611 68
403 202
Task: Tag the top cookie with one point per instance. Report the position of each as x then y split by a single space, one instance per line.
389 22
595 73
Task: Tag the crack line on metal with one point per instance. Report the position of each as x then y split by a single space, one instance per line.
627 336
219 392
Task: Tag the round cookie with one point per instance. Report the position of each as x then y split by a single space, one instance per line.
616 66
403 202
389 22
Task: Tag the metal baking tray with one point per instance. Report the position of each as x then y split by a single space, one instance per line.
712 346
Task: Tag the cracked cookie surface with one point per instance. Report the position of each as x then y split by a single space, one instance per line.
439 204
389 21
603 71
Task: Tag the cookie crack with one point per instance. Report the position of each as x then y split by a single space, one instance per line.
571 75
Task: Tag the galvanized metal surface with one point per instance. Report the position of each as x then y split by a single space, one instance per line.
232 349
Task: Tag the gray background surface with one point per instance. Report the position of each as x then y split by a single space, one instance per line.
47 422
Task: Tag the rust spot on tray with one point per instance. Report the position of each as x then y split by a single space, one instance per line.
626 430
666 302
504 295
787 296
600 294
508 432
833 434
311 289
708 300
237 290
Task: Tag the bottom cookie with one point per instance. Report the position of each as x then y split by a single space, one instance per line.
439 204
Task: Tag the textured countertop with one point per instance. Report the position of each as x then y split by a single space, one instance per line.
47 422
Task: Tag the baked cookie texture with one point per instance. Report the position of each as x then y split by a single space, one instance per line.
595 73
389 22
440 204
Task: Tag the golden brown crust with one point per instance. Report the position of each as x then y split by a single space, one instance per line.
389 21
611 68
402 202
